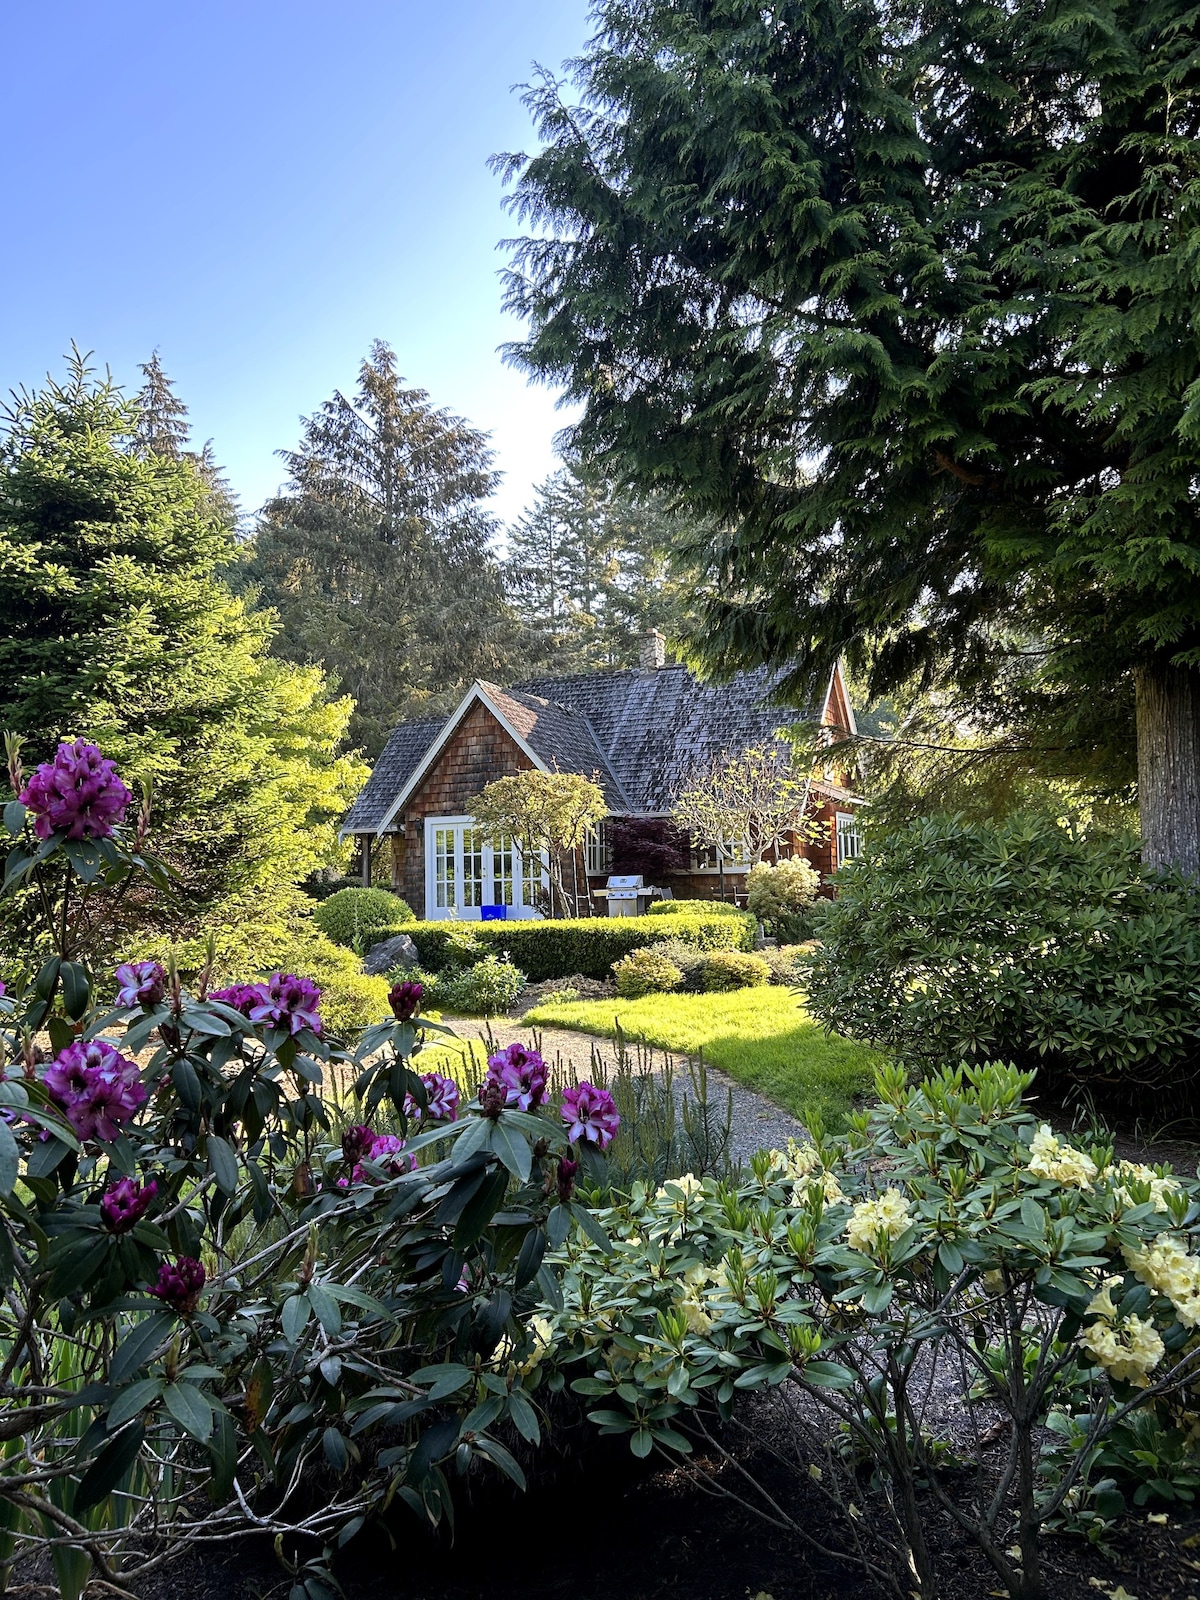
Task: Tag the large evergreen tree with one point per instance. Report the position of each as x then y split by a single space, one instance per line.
379 560
903 294
590 568
117 628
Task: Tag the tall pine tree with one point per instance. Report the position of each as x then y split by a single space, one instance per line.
378 559
590 567
902 293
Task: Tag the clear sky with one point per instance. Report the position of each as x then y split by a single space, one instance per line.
258 188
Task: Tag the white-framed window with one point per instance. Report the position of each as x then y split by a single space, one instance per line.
465 871
733 856
848 836
598 845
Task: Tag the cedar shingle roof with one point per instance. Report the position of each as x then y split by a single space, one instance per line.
644 731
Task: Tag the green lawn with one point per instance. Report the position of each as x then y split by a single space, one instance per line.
762 1037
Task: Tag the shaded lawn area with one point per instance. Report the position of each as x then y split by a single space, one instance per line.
763 1038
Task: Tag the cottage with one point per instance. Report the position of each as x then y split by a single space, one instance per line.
641 733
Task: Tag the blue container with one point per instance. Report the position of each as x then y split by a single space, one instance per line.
493 913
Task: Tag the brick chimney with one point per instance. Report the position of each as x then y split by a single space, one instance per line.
652 650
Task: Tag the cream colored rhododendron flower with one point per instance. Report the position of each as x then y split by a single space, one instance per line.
873 1221
1050 1158
1160 1188
689 1183
829 1184
542 1332
1167 1267
1129 1350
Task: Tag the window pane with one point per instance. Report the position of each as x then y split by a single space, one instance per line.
849 837
443 851
472 884
502 871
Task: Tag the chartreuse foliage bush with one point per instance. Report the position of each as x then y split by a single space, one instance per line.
949 1241
559 949
723 970
646 971
205 1282
692 908
1022 941
353 916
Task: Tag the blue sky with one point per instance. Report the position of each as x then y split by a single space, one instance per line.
259 189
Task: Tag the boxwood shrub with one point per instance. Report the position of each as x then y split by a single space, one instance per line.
559 949
1018 941
692 908
353 917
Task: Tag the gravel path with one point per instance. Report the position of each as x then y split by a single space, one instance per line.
758 1124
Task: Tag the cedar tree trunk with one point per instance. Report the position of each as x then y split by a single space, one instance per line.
1168 745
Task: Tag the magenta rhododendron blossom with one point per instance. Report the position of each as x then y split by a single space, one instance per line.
591 1113
522 1075
385 1151
98 1088
405 1000
443 1096
179 1283
568 1171
286 1001
356 1141
78 794
125 1204
241 996
140 983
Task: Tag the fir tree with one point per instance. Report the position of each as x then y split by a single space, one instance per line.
902 295
119 629
378 559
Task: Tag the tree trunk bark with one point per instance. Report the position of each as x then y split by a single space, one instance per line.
1168 743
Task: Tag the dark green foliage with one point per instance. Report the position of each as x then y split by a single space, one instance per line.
587 945
901 294
378 558
117 627
588 570
353 916
483 989
1019 941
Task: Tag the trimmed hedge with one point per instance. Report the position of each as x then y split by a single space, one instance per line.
692 908
559 949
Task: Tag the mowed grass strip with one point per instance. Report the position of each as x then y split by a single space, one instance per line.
763 1038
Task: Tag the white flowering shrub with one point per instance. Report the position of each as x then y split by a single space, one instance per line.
949 1258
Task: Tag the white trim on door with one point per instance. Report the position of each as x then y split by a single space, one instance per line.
464 871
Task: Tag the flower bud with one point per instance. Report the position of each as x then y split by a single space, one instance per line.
405 1000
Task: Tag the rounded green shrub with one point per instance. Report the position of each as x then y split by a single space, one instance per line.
488 987
645 971
355 917
781 896
1021 941
732 969
692 908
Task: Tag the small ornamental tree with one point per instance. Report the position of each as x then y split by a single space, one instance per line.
746 806
548 815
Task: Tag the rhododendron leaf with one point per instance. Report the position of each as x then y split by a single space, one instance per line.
86 861
480 1209
510 1147
359 1297
47 977
9 1159
673 1440
61 1033
495 1452
484 1414
45 1158
642 1442
334 1448
139 1345
533 1248
950 1256
296 1312
133 1400
524 1417
331 1370
205 1022
476 1136
325 1308
223 1453
107 1470
587 1221
828 1375
14 817
76 989
222 1164
558 1225
190 1408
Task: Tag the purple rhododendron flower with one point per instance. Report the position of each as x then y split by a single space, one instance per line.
382 1146
592 1114
356 1141
522 1075
241 996
568 1171
443 1096
286 1001
140 983
97 1088
125 1204
78 794
179 1283
405 1000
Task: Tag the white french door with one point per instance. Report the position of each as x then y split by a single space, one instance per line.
465 871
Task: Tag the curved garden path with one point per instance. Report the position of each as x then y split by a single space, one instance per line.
757 1122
